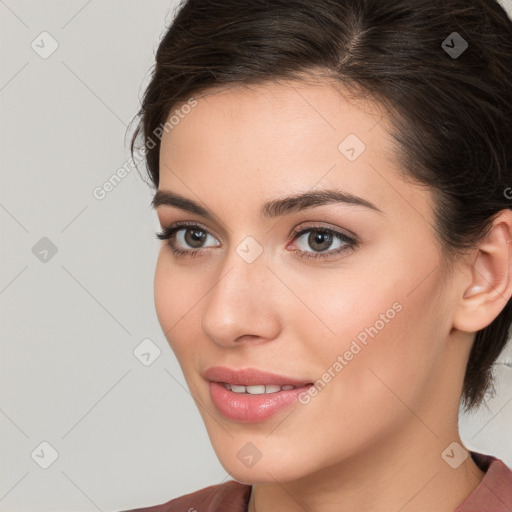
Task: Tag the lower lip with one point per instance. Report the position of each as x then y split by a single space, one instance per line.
248 408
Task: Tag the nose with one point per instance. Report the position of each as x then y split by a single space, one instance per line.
243 303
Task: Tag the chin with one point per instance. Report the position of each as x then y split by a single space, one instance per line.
263 472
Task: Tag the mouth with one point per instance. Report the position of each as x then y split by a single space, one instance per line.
260 389
249 395
253 381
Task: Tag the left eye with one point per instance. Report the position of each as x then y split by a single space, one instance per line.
321 239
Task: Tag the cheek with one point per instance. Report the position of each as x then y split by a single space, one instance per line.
382 357
374 337
179 296
164 297
174 298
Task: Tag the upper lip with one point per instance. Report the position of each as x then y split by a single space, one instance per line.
250 377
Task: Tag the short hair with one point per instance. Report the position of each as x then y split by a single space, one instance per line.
441 68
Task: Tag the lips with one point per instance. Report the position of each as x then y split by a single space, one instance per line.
241 395
251 377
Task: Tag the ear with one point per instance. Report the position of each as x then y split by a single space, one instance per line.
489 286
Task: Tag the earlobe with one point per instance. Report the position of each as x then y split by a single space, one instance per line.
489 287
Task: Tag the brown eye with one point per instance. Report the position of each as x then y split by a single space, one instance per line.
194 237
186 239
321 240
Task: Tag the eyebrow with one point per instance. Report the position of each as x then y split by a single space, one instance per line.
273 208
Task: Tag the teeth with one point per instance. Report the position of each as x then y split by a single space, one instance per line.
270 388
258 389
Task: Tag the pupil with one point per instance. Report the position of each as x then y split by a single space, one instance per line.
321 236
197 237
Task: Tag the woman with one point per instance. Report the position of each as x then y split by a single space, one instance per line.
331 180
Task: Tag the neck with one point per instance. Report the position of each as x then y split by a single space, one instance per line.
404 474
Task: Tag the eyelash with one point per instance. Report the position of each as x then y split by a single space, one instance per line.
350 243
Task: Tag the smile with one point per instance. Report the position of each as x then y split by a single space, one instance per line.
258 389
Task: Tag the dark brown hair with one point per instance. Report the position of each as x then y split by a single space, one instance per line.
450 107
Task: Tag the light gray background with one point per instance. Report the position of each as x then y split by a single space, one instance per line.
126 434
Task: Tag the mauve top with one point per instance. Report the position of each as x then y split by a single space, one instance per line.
494 494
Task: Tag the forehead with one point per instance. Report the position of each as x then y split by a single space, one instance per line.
277 113
265 141
273 127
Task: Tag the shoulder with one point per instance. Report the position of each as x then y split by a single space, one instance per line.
230 496
494 494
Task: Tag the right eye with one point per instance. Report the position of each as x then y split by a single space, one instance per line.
187 235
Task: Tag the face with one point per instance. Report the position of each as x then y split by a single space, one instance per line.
347 295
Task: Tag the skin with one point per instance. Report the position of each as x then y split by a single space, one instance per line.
372 438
